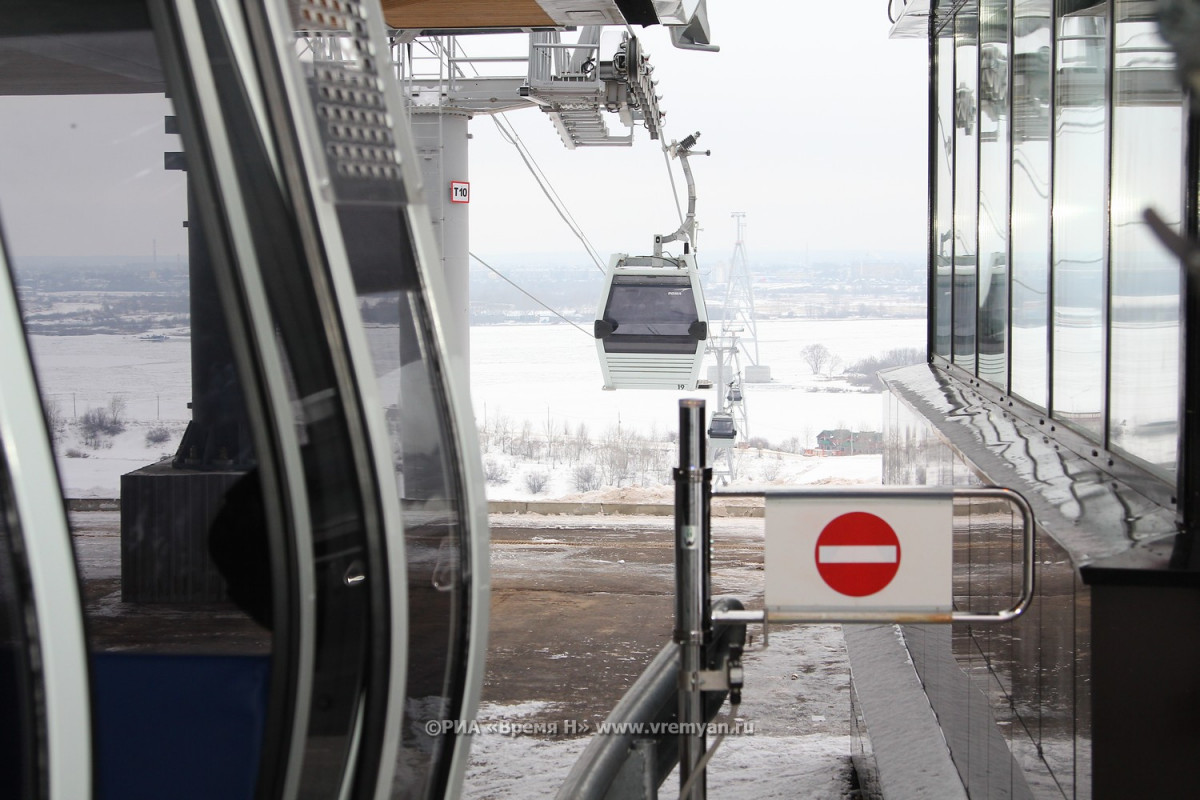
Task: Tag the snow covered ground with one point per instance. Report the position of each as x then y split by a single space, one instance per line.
531 380
535 372
800 745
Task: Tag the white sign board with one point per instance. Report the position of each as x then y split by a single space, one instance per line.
891 553
460 192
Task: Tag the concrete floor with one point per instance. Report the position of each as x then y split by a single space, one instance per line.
579 606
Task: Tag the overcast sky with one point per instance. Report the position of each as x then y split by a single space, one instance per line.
816 122
815 119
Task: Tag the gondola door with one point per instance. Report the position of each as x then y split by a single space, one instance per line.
240 603
355 186
45 723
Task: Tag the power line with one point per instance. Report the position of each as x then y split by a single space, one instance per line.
527 294
509 134
666 157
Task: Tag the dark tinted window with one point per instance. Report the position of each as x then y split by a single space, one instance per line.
651 305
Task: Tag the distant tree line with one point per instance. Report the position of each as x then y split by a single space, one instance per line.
822 361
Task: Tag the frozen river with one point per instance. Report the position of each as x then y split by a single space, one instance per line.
520 373
535 372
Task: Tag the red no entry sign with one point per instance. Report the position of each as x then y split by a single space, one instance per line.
857 554
888 552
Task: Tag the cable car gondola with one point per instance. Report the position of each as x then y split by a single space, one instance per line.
652 325
722 431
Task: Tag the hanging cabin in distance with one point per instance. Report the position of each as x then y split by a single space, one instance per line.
651 326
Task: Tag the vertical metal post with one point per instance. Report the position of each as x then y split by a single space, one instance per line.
441 139
1188 481
693 611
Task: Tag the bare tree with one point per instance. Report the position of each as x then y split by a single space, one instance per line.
56 421
816 356
116 411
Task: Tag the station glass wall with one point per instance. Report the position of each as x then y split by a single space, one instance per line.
1056 123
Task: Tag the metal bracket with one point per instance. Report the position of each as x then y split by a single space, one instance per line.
711 680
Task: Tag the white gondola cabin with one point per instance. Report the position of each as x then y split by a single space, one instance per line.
722 430
651 327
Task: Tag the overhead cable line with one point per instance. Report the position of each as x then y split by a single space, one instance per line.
509 134
666 156
527 294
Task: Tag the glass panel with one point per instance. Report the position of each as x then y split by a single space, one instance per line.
20 737
651 314
966 154
113 314
426 478
1030 244
368 197
993 191
1148 130
144 405
651 305
943 190
1079 216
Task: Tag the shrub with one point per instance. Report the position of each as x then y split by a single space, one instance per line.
536 482
75 453
495 471
772 468
55 420
157 435
97 425
585 478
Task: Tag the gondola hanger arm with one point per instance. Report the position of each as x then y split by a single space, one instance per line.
687 229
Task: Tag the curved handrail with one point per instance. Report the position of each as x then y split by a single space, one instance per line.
651 701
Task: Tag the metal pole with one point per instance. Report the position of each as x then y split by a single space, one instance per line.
441 138
692 590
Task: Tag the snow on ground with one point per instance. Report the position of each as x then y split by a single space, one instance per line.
815 767
785 469
536 373
528 379
796 700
